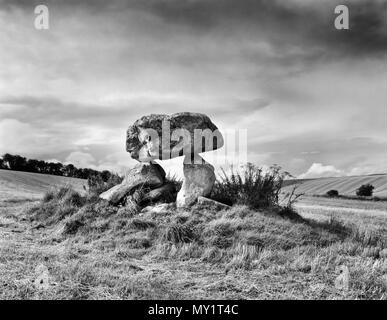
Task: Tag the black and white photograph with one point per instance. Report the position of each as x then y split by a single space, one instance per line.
186 150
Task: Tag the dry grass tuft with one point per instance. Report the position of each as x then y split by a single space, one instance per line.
178 233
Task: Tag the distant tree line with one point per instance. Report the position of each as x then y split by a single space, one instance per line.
19 163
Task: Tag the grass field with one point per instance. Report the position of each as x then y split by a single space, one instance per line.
64 248
16 185
344 185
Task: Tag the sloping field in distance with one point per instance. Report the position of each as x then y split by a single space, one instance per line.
17 185
344 185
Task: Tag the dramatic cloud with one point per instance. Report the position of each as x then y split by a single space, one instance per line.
318 170
306 92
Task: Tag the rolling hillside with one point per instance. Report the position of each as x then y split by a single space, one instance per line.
345 185
17 185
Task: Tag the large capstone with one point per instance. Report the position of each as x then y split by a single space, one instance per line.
160 136
140 176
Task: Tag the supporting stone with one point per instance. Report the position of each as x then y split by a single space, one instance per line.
203 201
141 175
198 181
166 193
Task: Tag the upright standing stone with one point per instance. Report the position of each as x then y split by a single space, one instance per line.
199 178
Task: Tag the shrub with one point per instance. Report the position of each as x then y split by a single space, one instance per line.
48 196
333 193
252 187
366 190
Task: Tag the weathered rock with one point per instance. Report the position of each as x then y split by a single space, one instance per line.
198 181
166 193
212 203
159 136
143 174
160 208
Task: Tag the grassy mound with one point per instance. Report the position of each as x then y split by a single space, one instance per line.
265 244
236 238
255 250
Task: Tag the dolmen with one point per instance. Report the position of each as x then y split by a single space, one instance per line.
163 137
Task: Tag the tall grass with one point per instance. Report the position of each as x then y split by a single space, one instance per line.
97 185
57 205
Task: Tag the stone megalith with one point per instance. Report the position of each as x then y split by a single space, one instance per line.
159 136
162 137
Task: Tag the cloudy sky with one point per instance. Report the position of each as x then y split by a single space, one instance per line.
312 98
